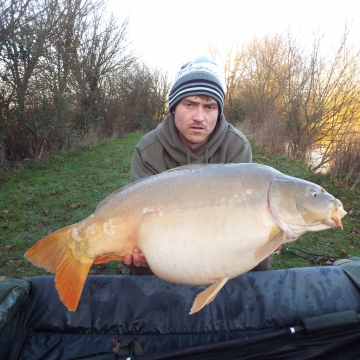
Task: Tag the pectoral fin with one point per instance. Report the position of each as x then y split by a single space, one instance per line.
207 296
275 240
108 257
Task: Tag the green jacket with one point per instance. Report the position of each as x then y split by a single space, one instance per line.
162 149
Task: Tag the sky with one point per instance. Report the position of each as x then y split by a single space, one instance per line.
168 33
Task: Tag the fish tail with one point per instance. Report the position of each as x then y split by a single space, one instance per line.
54 254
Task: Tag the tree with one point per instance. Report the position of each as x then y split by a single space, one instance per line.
103 50
23 45
233 66
320 98
298 100
136 99
11 16
53 65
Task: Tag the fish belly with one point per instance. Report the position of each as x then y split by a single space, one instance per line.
200 245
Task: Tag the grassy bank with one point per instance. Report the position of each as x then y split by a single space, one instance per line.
50 195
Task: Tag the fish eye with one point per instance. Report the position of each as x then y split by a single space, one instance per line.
314 194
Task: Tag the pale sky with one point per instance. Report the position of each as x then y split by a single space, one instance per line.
169 33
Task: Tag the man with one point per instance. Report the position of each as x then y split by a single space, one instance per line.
194 132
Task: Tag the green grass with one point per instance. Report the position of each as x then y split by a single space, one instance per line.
50 195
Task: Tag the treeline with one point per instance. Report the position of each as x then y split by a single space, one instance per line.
68 76
303 102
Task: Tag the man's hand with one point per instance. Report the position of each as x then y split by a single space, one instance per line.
137 258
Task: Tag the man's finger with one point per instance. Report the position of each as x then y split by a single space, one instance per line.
137 263
128 259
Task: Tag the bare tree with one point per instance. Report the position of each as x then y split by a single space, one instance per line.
136 99
320 99
295 100
103 50
233 64
259 88
24 45
26 27
11 16
52 68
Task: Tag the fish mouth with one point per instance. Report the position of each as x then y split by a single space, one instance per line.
337 214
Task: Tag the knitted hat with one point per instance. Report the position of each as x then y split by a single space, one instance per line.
200 77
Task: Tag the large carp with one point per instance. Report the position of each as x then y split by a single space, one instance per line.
196 225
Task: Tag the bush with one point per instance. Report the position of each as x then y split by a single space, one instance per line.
346 164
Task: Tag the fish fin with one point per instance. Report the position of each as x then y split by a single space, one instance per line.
48 252
54 254
70 279
108 257
275 240
208 295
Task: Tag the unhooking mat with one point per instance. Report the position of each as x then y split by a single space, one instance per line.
259 315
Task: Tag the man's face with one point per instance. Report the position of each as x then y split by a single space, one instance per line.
195 118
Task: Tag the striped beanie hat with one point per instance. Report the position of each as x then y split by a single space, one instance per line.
200 77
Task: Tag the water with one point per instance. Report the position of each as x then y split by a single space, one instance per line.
314 159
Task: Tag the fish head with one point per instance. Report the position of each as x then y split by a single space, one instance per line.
303 206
